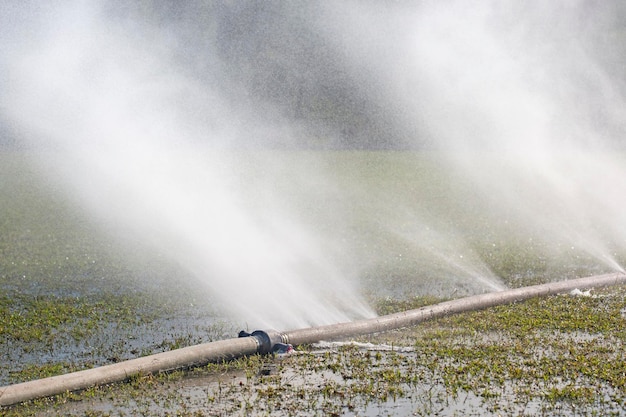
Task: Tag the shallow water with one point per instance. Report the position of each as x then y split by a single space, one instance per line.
52 250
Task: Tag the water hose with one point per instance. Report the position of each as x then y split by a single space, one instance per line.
264 342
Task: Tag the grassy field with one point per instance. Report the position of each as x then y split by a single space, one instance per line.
73 295
560 355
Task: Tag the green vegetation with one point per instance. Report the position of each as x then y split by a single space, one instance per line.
556 355
74 296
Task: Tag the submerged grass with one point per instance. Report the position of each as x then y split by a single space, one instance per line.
557 355
71 299
73 294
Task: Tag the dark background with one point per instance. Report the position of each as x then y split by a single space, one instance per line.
275 60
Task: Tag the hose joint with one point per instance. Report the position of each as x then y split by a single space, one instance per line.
269 341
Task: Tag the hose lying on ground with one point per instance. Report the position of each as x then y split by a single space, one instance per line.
263 342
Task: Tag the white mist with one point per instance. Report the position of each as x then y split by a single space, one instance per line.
517 97
115 121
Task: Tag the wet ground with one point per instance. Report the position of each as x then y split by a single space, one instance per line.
72 298
557 355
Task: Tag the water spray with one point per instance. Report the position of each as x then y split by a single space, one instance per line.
268 341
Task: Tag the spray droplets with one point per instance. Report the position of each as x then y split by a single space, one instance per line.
181 132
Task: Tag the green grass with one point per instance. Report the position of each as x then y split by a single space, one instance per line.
72 294
555 355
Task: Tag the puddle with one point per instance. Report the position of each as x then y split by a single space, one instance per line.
304 384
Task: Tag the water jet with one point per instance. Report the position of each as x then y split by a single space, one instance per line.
263 341
522 111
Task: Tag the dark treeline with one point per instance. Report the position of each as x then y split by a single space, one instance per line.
278 60
275 57
282 57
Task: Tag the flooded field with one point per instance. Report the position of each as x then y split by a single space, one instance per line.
560 355
174 172
74 295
